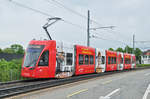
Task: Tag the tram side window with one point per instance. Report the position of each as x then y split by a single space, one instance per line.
127 61
109 60
91 59
44 59
121 60
86 59
115 60
103 59
81 59
69 59
112 60
133 60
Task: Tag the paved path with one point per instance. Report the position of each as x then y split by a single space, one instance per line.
127 85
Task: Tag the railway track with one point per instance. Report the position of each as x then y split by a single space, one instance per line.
19 83
27 86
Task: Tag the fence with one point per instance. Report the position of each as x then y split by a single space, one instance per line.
10 67
10 75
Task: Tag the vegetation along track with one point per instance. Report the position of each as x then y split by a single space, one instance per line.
27 86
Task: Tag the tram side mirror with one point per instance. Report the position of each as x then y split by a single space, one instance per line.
44 59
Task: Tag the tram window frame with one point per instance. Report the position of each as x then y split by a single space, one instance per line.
41 59
69 58
91 59
81 59
86 57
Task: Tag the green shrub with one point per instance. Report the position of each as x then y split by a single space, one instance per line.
10 70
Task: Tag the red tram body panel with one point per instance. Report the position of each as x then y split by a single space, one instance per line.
111 60
127 61
32 67
85 60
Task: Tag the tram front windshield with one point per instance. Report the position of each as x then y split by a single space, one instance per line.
32 55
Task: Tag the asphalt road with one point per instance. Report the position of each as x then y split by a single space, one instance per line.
126 85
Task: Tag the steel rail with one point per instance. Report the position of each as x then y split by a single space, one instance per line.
13 82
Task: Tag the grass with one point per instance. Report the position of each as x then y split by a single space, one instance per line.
142 65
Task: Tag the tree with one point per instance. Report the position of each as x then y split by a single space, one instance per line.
138 53
119 49
8 50
128 49
17 49
111 49
1 51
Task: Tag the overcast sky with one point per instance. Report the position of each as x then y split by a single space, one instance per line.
20 25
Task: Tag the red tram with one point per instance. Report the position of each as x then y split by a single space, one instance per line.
51 59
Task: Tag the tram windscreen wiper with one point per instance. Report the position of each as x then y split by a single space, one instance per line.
32 63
